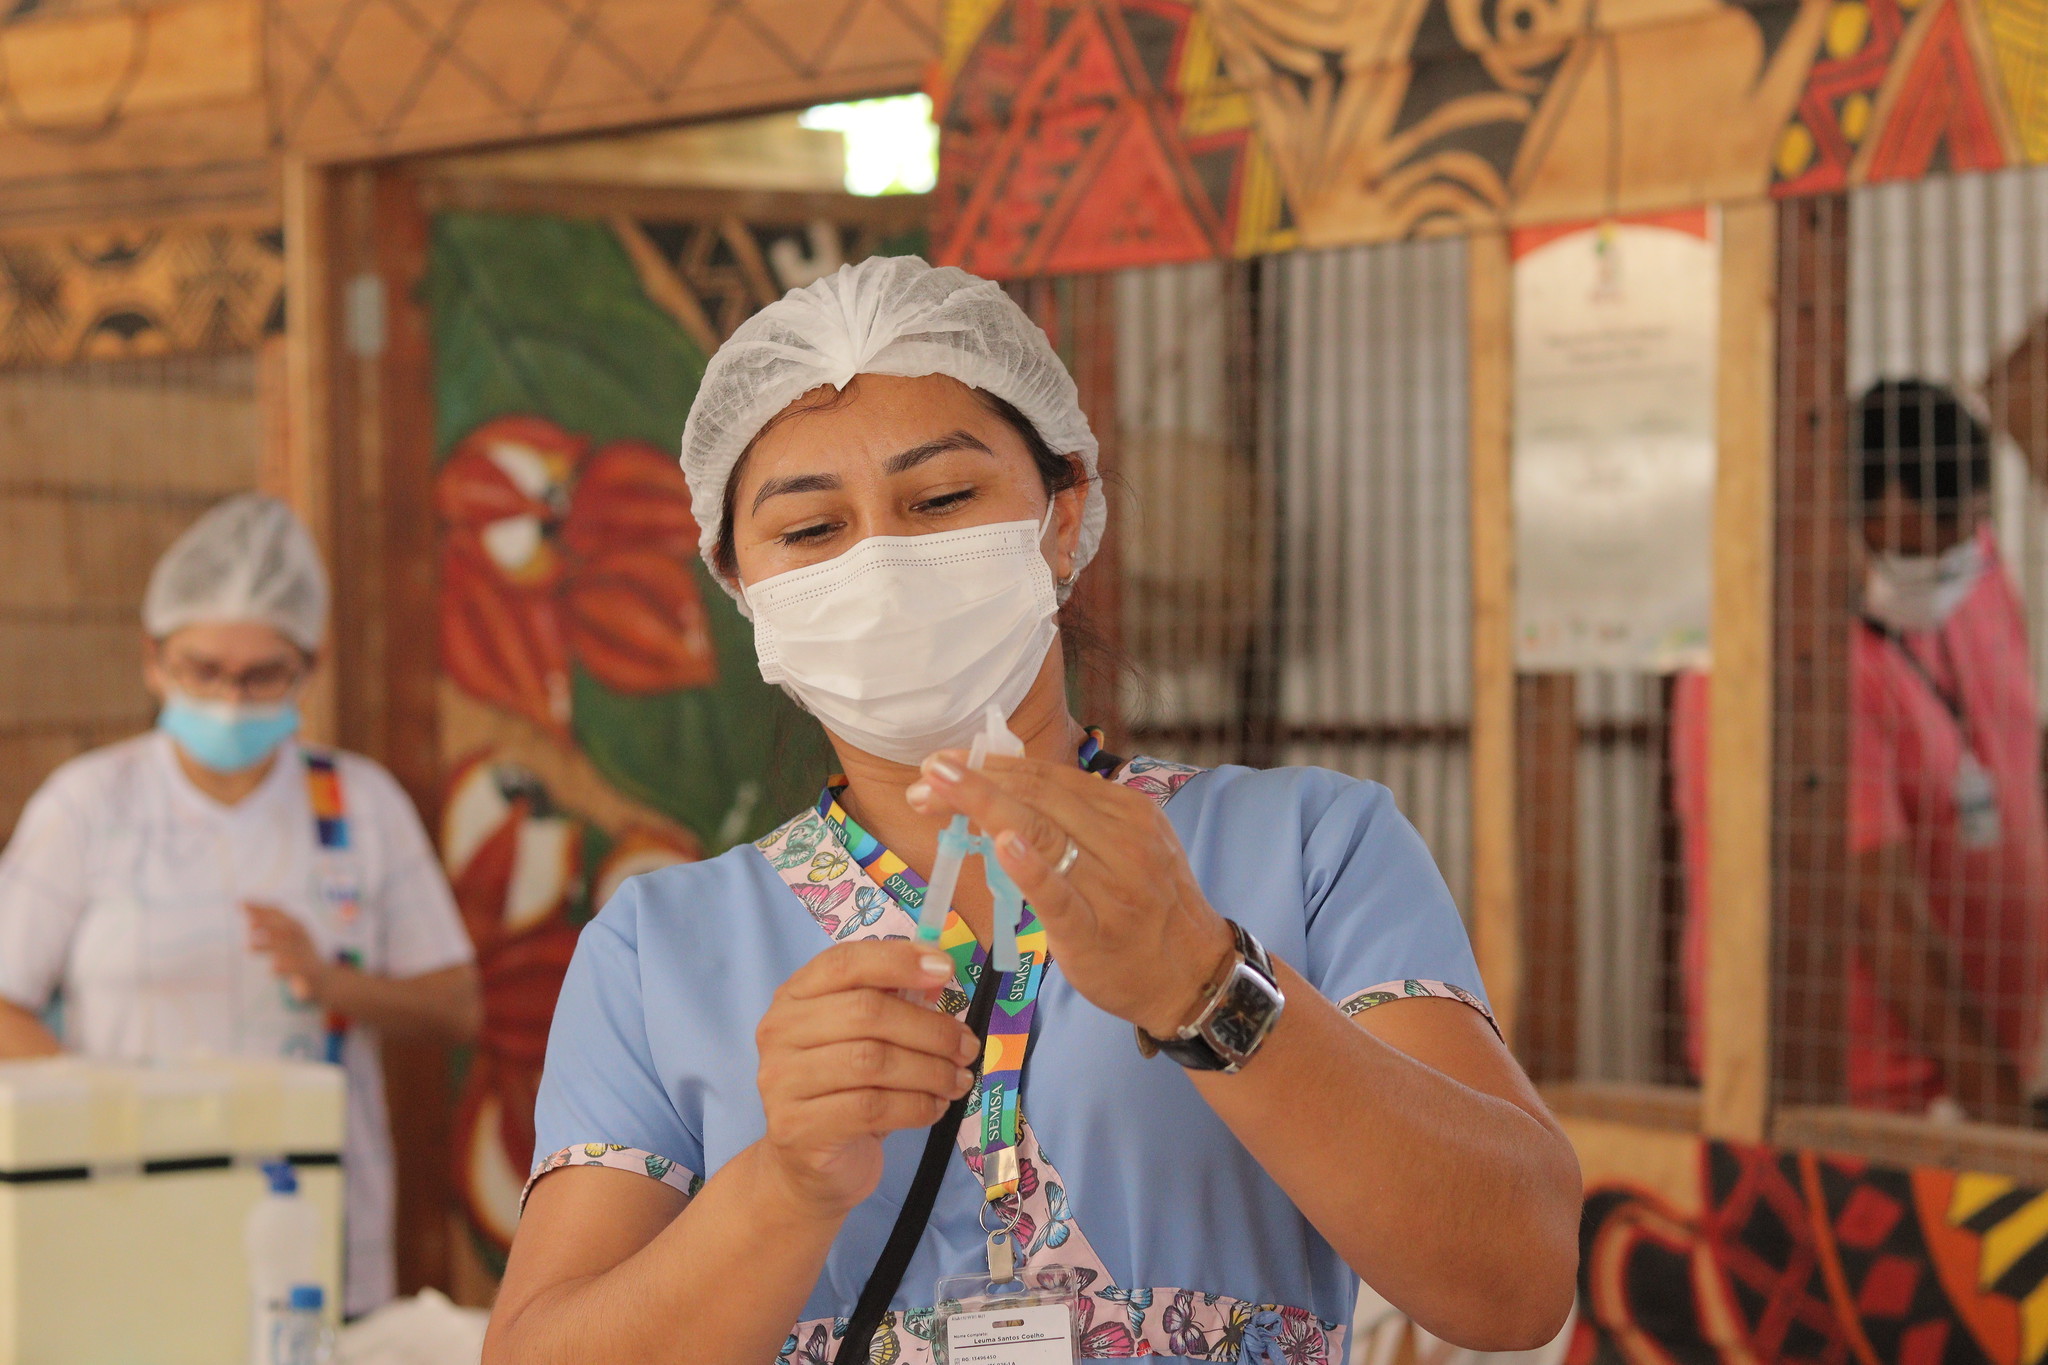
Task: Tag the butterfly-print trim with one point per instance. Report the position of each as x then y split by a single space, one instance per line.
1118 1324
617 1158
1387 992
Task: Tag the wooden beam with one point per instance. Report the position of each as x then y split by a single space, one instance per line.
1496 916
1736 1100
1547 870
309 359
1816 594
86 71
1645 1158
1667 1108
406 621
889 213
659 281
1099 595
373 374
1912 1140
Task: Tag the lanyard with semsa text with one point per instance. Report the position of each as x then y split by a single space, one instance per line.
1016 1005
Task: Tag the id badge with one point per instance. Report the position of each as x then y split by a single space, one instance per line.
1976 795
1030 1320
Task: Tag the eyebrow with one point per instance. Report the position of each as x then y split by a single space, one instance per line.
895 464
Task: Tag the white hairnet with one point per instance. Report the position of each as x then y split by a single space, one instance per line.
885 315
247 559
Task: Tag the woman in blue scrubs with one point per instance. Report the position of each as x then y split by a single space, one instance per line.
1244 1056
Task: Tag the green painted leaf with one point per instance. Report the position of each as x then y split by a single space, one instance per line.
546 316
732 760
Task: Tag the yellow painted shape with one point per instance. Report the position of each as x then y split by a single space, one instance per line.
2034 1325
1855 116
1973 1193
963 24
1260 205
1795 150
1848 28
2012 1239
1214 103
2019 37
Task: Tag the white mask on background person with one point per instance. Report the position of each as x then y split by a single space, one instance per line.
899 645
1919 592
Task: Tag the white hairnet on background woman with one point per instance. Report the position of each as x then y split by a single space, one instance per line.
1187 1134
247 559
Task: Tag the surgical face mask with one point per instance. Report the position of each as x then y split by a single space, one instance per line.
899 645
227 736
1919 592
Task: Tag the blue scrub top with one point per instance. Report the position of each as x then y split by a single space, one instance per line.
651 1062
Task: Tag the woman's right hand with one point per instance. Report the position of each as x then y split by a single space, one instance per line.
846 1060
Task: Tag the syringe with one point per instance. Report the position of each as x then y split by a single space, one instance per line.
955 844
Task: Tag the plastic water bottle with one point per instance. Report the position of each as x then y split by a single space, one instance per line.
299 1335
282 1240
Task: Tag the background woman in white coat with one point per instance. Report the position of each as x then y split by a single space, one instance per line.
215 887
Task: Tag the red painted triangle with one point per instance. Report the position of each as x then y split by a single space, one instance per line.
1131 209
1080 68
1942 105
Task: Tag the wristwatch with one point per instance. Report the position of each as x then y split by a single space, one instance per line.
1240 1011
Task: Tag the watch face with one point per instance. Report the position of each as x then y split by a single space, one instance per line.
1243 1016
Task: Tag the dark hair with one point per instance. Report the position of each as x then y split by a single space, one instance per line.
1919 436
1056 471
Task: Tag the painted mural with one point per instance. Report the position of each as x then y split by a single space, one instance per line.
601 713
1095 134
1801 1256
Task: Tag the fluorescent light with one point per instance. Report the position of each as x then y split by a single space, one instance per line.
892 145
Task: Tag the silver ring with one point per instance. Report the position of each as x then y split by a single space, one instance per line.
1067 859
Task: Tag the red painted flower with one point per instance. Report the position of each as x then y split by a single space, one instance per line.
552 552
515 862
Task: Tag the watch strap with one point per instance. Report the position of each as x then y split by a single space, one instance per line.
1190 1048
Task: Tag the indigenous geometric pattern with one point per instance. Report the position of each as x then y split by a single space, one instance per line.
1802 1256
113 294
1080 135
1094 134
1899 90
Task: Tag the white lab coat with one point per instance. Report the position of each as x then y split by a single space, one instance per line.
121 895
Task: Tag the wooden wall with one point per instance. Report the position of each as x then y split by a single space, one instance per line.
129 401
90 495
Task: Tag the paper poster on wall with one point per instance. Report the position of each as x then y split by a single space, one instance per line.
1614 442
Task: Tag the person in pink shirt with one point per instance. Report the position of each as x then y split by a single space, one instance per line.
1948 836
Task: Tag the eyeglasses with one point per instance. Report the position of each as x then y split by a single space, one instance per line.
271 680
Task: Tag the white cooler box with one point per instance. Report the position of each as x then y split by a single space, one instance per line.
123 1194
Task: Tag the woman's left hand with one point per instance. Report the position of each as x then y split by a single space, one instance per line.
1126 922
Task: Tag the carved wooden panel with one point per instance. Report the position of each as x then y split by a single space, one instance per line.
137 292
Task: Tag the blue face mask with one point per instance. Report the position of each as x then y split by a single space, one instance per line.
227 736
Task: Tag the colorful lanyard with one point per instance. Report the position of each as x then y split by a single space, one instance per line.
1016 1011
343 901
